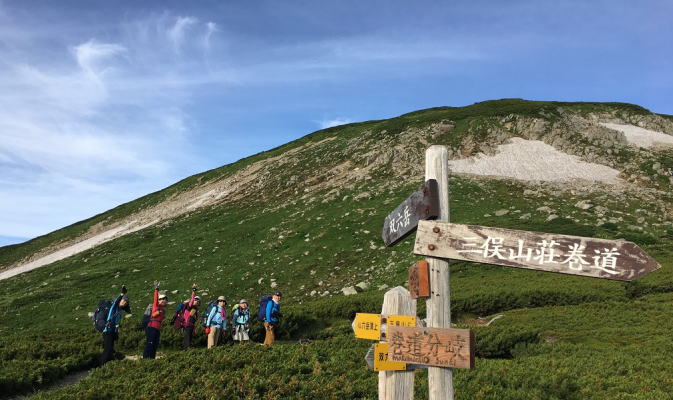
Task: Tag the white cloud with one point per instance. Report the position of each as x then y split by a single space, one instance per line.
178 31
211 28
98 124
324 124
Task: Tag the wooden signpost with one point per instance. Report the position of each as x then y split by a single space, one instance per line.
422 204
432 346
598 258
439 346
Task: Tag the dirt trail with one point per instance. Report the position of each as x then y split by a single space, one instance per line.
70 379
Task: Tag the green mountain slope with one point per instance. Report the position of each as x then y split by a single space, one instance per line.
306 217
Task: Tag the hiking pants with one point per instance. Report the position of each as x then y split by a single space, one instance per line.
187 334
152 342
270 336
108 347
213 336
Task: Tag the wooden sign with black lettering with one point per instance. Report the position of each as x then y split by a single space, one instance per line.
440 347
576 255
422 204
419 280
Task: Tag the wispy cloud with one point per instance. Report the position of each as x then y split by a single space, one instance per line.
179 30
324 124
76 137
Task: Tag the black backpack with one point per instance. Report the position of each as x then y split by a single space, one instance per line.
99 317
146 316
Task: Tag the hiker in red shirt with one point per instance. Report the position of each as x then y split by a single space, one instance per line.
153 330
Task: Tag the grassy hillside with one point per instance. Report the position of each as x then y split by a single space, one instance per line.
562 337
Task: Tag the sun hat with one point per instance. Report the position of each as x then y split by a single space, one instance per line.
163 296
243 301
222 298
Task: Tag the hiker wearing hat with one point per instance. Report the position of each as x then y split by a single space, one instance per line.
153 330
217 321
190 317
272 318
241 321
111 330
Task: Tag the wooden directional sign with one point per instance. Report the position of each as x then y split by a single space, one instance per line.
419 280
401 320
367 326
422 204
598 258
381 362
441 347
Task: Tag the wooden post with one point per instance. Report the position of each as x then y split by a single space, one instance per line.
397 385
440 380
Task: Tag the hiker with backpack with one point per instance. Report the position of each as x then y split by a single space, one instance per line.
271 316
240 320
153 329
215 320
188 315
111 319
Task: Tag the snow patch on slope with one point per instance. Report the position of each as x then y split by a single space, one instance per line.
533 160
640 136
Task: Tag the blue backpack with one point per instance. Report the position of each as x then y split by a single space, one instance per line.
209 308
261 314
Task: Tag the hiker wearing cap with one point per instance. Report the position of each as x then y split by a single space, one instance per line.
217 321
241 321
153 330
272 318
190 316
111 330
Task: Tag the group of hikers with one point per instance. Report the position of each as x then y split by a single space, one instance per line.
215 320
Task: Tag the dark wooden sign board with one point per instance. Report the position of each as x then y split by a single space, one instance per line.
421 205
440 347
419 280
576 255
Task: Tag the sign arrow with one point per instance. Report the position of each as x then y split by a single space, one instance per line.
422 204
575 255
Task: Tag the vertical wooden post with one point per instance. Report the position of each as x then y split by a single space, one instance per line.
397 385
440 380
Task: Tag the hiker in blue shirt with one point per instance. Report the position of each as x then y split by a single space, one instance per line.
271 319
111 331
241 322
216 321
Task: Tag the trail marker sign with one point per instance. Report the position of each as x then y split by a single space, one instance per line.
400 320
441 347
419 280
422 204
381 362
367 326
576 255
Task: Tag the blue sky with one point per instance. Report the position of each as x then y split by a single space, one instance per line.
104 101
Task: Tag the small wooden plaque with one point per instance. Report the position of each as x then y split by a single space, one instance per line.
441 347
419 280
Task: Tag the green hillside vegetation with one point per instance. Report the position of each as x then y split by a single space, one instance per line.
561 337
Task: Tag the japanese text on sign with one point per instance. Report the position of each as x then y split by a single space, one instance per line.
431 346
544 252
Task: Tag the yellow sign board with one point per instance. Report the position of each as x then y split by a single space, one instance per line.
401 320
381 362
368 326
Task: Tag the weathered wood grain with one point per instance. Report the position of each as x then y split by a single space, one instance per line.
419 280
442 347
421 205
576 255
397 385
438 305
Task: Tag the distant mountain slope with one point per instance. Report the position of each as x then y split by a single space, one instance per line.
339 156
